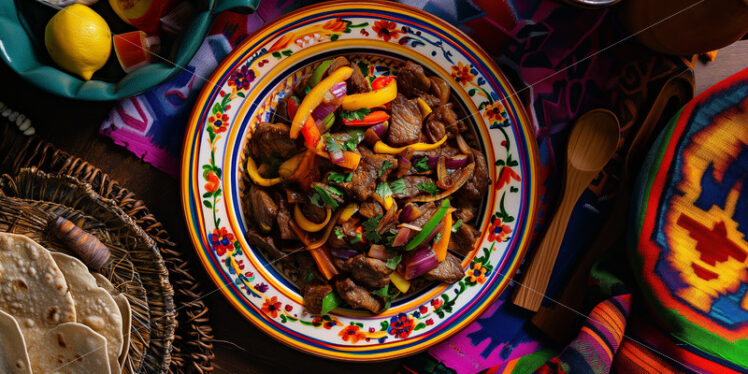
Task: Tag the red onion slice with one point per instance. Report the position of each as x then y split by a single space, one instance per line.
419 262
402 237
457 162
344 253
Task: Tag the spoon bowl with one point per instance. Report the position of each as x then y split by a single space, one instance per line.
593 140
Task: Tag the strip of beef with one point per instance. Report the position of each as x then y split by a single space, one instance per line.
427 210
405 122
368 271
388 220
358 83
263 243
307 273
260 207
281 111
370 208
300 88
443 120
313 213
336 64
294 196
431 100
283 217
440 89
356 296
411 186
363 181
313 296
463 241
448 271
412 80
271 139
476 187
466 209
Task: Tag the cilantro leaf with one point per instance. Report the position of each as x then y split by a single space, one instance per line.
317 200
330 144
429 187
330 302
398 186
383 292
392 262
339 233
339 177
383 190
323 196
355 115
437 237
422 164
370 228
457 225
356 137
336 190
308 277
385 165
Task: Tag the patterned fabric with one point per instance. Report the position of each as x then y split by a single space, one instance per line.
592 351
688 246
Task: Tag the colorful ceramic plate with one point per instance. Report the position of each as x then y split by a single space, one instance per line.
244 91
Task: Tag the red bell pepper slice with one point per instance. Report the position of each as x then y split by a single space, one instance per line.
381 82
293 105
311 133
370 119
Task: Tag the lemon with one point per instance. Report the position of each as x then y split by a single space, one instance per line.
79 40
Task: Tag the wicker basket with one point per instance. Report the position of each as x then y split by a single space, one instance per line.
39 182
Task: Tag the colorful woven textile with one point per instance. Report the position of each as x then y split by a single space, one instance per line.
688 244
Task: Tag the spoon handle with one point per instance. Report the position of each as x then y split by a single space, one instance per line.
530 293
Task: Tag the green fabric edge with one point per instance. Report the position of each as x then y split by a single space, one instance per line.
531 363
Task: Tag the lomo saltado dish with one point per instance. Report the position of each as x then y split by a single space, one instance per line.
370 186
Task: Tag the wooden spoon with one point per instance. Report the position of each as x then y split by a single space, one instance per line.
592 143
675 93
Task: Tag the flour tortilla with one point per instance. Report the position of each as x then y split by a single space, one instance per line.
94 306
70 348
125 311
32 287
13 356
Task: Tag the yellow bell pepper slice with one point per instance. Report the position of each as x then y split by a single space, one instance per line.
308 225
315 96
288 167
401 283
386 203
254 174
380 147
370 99
348 212
440 248
425 108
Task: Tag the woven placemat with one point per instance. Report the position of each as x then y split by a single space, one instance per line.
189 348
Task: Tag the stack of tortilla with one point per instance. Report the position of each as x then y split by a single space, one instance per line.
56 316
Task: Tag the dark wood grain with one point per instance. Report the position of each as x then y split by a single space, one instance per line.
239 347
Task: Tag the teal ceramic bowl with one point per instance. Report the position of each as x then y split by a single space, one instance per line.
20 53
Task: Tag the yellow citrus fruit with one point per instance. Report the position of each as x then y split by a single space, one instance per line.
79 40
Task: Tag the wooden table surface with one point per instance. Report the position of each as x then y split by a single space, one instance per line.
239 346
